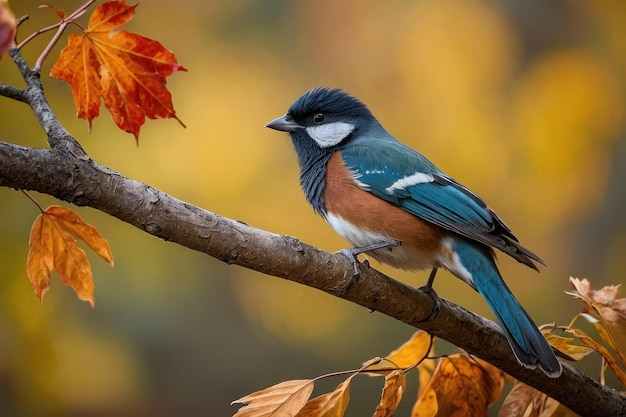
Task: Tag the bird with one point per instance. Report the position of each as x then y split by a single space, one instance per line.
390 201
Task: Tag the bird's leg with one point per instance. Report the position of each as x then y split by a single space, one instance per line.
352 253
428 289
431 278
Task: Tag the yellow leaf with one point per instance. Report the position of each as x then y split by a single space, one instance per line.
53 245
610 361
525 401
425 370
412 351
284 399
40 256
73 223
566 346
332 404
395 384
72 265
607 306
426 405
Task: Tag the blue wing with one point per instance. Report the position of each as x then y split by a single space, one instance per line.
398 174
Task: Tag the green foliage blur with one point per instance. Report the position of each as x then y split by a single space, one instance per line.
521 101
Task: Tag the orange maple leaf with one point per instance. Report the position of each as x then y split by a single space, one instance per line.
460 386
52 245
126 69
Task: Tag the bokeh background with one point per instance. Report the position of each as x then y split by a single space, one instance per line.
521 101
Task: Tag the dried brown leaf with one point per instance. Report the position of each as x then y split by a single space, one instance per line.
495 379
607 306
426 405
525 401
461 386
610 361
332 404
395 385
284 399
566 346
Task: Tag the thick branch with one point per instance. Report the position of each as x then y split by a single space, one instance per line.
84 182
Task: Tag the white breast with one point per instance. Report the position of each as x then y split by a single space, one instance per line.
357 237
401 257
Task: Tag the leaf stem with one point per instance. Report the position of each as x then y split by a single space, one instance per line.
37 33
51 44
31 198
60 26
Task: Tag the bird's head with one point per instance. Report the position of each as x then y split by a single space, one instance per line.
324 115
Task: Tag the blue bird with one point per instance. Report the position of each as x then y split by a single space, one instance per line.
390 201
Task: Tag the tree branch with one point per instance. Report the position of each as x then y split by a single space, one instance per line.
68 174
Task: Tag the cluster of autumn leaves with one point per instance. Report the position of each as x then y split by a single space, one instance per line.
128 73
457 384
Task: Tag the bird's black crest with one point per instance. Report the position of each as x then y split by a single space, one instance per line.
328 100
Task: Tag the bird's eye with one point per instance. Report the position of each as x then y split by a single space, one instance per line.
319 118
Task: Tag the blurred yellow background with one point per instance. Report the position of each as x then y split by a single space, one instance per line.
523 102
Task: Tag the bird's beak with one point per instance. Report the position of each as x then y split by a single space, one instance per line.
284 123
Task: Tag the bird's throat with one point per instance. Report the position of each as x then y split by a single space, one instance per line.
313 161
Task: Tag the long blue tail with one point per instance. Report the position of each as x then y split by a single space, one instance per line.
528 344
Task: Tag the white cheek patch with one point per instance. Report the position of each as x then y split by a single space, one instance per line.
406 182
330 134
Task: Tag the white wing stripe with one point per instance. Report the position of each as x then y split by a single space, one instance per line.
405 182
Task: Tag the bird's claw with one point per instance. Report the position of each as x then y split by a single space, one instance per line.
427 289
349 253
352 253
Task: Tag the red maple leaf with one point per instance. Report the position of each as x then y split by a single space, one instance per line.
126 69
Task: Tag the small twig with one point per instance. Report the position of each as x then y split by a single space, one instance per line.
12 92
51 44
22 20
60 26
31 198
37 33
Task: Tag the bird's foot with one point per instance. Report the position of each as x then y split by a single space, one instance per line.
428 289
436 301
352 253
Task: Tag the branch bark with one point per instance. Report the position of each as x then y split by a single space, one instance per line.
67 173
